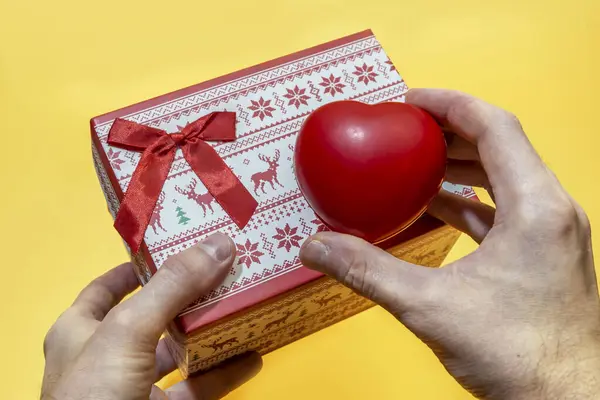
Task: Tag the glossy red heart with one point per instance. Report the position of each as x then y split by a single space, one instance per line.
370 170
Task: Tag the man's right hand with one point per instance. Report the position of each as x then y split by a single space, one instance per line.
520 317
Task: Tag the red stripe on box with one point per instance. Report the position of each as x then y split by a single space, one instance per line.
203 316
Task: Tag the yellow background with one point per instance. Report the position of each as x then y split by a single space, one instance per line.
64 61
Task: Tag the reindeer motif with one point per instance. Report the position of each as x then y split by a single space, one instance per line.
155 218
280 321
269 175
323 301
216 345
204 200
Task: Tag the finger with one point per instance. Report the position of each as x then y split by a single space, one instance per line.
469 173
459 148
516 172
471 217
157 394
181 280
106 291
219 381
367 269
165 364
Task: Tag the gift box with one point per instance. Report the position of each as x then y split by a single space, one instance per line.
217 156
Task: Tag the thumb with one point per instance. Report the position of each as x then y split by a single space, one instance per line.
182 279
368 270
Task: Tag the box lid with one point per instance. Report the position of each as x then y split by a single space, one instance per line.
271 101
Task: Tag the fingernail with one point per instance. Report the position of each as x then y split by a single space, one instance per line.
313 253
217 246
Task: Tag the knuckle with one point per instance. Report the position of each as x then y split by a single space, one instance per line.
481 116
561 218
50 339
121 321
583 220
465 107
555 217
565 214
509 119
355 274
586 225
54 334
119 317
191 266
473 113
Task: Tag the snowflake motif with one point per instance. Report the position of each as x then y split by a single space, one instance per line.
391 64
115 161
296 97
365 74
287 237
320 225
262 108
332 85
248 253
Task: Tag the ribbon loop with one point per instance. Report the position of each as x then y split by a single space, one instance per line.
159 150
131 136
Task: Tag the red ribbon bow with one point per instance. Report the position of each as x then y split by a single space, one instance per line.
159 149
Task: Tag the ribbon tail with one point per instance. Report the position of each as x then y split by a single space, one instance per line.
221 182
143 192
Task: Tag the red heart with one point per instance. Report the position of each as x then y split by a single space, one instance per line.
370 171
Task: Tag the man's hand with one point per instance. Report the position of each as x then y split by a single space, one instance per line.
519 317
99 349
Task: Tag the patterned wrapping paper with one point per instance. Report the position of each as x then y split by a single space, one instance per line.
271 102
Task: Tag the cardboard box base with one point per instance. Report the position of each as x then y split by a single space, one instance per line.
293 315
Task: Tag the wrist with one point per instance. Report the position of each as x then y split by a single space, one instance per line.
572 372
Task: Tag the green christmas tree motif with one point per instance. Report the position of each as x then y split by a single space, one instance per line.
183 220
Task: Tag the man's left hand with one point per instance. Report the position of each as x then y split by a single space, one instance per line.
101 348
